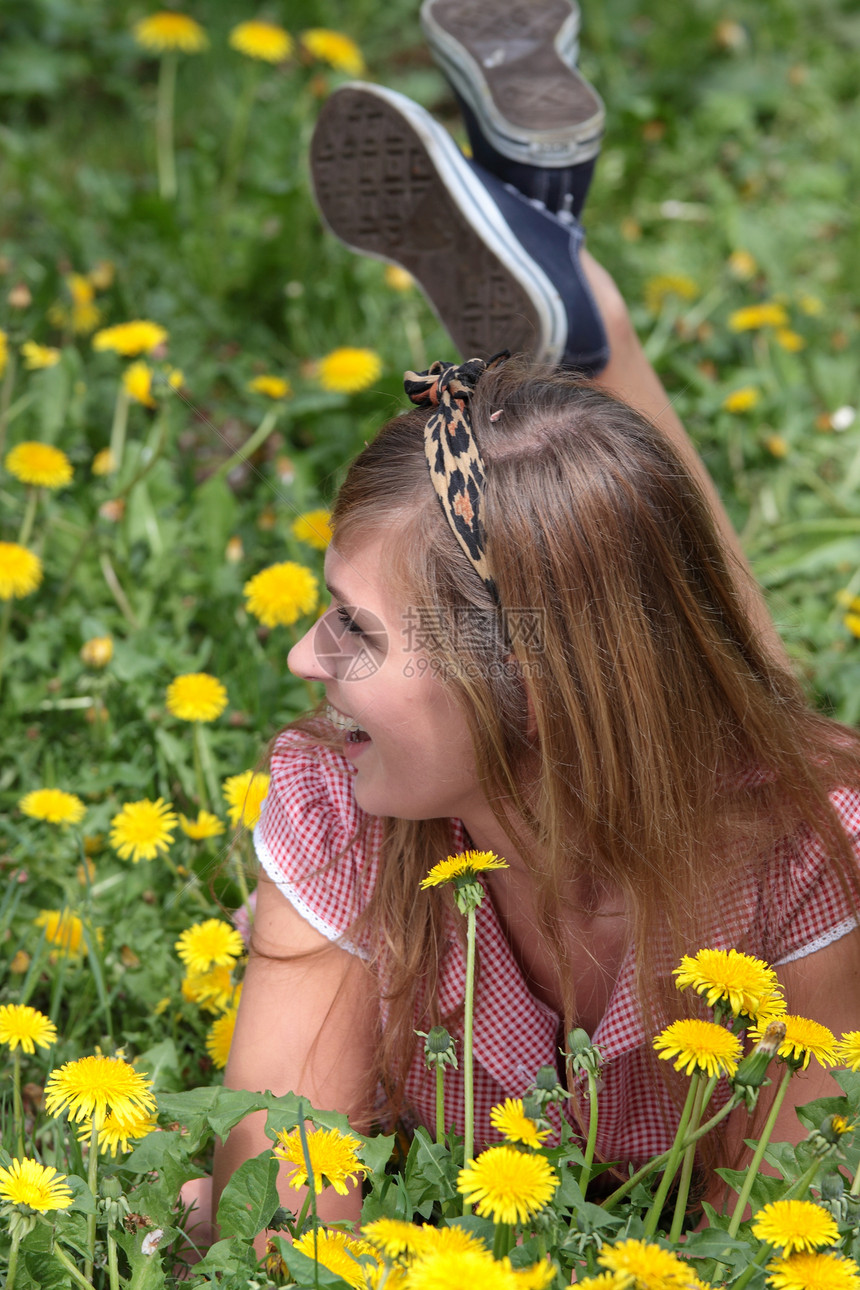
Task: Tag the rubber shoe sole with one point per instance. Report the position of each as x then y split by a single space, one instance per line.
513 65
391 183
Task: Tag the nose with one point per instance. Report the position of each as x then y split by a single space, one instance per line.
302 659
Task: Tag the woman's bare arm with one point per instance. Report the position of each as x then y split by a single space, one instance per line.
306 1025
630 376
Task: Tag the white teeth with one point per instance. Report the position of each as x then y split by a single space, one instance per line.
342 722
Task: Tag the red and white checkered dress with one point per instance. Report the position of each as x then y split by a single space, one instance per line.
791 909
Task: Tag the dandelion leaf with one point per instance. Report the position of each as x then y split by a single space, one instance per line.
250 1198
307 1272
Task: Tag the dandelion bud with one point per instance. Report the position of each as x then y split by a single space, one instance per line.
546 1088
439 1049
833 1127
97 652
832 1186
752 1070
582 1054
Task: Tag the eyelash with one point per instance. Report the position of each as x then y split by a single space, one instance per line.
349 623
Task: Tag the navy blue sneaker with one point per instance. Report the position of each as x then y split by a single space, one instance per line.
500 271
533 121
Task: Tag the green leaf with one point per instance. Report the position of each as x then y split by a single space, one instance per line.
250 1198
307 1272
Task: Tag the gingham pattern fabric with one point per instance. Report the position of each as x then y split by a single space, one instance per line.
793 908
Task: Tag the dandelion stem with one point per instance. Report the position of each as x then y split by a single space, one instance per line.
119 425
164 127
468 1053
751 1268
6 399
250 446
117 592
703 1096
12 1266
585 1171
29 516
503 1240
5 619
58 1253
93 1181
440 1105
198 743
758 1156
113 1265
653 1216
238 135
17 1103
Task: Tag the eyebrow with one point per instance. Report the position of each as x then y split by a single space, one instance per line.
338 594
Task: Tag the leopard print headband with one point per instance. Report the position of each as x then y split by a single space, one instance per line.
453 456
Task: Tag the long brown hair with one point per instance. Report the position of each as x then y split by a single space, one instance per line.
645 742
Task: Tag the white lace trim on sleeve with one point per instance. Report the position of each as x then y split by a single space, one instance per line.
289 889
821 942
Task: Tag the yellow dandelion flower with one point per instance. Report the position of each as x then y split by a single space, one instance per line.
776 446
753 317
54 805
165 31
4 351
397 1239
219 1038
265 41
24 1027
852 622
86 315
63 930
741 981
137 381
20 571
196 696
848 1050
820 1271
397 278
142 829
742 400
664 285
97 652
811 306
465 865
131 338
699 1046
274 387
742 265
93 1087
347 370
205 826
36 357
39 464
795 1225
314 528
212 989
212 943
103 462
334 48
510 1119
279 595
119 1133
333 1158
452 1270
789 340
506 1185
848 600
646 1266
244 795
803 1039
40 1187
339 1253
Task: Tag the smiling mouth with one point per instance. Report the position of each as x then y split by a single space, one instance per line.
353 733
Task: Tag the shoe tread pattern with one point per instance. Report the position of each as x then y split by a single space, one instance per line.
379 192
533 88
